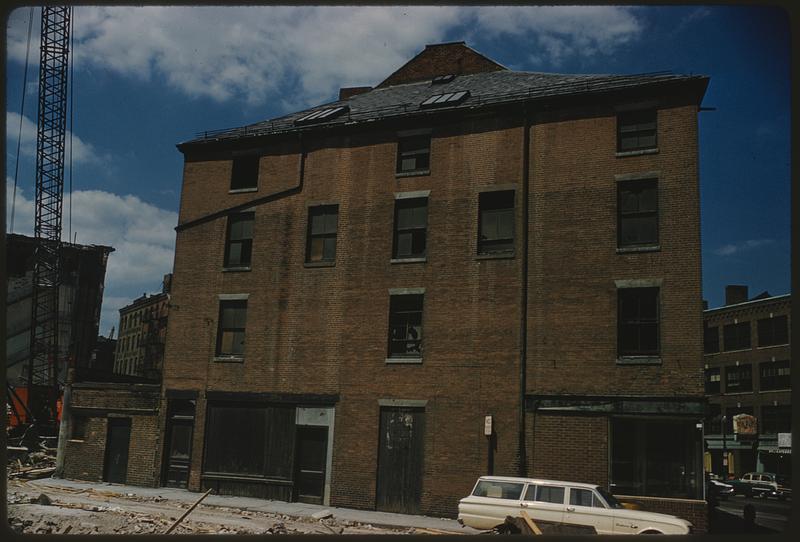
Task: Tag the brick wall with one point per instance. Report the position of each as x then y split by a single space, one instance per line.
85 459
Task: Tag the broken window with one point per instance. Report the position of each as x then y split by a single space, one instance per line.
773 331
79 424
636 130
414 154
405 326
322 226
638 322
496 222
239 242
232 320
637 208
738 378
410 227
775 375
244 173
736 336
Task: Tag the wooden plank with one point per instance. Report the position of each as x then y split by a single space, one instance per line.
177 521
530 522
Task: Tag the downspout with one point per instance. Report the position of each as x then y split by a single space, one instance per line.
523 324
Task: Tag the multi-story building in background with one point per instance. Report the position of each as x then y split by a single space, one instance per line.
142 333
748 371
464 270
80 299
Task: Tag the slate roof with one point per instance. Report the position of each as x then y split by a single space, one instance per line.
485 89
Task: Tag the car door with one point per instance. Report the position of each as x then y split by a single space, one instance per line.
544 502
585 508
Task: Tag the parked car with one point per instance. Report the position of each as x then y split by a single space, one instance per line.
495 497
717 489
762 484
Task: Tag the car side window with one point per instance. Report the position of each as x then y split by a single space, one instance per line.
530 493
553 494
580 497
498 490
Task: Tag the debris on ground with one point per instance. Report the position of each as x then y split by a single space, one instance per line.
30 461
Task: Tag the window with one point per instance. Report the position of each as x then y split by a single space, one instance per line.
322 225
637 324
232 320
738 378
414 154
410 228
239 242
713 420
637 208
530 493
656 458
775 375
553 494
776 419
244 174
498 490
79 424
737 336
405 326
772 331
712 380
636 130
583 497
711 339
496 222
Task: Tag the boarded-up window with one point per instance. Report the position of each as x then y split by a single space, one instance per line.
637 207
410 227
322 226
232 321
636 130
239 242
254 440
496 222
638 322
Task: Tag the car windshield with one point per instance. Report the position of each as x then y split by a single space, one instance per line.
610 499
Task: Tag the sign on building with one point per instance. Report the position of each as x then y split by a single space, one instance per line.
745 425
784 440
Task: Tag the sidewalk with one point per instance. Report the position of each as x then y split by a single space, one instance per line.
382 519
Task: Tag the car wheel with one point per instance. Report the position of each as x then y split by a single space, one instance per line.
652 532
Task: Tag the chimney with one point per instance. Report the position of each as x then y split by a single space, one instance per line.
345 93
167 284
735 294
705 305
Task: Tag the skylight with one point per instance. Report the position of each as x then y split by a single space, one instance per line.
441 100
322 115
441 79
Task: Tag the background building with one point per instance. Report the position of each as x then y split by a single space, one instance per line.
748 371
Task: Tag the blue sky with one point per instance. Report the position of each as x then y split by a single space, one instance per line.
148 78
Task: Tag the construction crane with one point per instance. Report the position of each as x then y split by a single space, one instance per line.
43 363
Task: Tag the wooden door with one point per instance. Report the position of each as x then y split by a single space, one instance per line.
311 455
117 445
400 460
179 452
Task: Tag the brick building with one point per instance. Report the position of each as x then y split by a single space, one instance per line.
142 335
748 371
359 286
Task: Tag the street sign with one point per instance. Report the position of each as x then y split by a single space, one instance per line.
784 440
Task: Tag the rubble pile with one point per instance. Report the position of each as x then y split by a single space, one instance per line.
24 462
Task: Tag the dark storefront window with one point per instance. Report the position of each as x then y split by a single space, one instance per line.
737 336
712 380
775 375
772 331
656 458
738 378
254 440
776 419
711 339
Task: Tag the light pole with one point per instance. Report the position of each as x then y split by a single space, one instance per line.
724 449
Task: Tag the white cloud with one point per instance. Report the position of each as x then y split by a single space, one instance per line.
298 56
82 152
142 235
731 249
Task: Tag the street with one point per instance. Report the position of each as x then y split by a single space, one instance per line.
771 513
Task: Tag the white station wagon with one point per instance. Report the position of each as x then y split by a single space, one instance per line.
495 497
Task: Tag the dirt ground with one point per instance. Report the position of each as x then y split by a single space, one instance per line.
90 511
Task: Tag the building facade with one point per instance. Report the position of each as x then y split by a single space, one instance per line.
142 334
748 371
464 270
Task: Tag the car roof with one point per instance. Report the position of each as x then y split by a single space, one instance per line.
541 481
